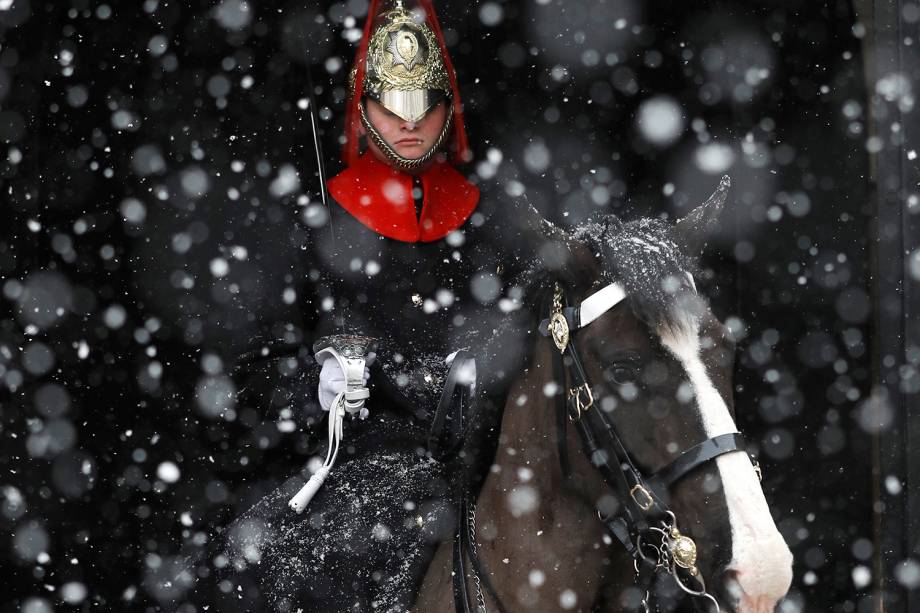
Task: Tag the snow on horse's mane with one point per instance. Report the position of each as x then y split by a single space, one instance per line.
643 256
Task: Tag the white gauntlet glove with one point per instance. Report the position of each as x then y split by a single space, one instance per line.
332 380
339 393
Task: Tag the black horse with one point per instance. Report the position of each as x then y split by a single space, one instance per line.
649 396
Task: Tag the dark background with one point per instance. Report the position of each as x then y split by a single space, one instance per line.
155 166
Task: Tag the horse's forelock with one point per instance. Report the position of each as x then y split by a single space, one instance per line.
643 256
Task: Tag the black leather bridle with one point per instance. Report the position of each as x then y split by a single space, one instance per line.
643 516
643 522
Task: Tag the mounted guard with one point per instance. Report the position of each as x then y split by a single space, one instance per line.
416 333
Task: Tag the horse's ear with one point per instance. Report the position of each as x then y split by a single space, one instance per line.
573 261
693 231
559 253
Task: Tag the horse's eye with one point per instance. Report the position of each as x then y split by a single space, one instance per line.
621 374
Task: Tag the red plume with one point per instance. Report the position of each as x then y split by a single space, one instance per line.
460 148
352 113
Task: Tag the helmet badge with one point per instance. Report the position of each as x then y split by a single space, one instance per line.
404 47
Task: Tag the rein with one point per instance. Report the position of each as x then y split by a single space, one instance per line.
643 523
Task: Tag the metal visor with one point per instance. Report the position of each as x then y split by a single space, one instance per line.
411 105
406 72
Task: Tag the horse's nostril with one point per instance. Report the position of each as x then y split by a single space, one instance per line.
732 583
759 576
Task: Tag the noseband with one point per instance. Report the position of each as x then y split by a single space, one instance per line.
643 522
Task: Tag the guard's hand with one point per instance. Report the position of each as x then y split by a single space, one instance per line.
332 380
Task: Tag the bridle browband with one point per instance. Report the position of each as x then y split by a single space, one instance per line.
643 522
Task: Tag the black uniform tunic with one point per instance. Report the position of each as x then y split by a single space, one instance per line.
365 541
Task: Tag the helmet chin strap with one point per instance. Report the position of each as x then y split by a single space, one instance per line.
398 161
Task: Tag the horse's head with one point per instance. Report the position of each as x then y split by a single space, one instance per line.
659 365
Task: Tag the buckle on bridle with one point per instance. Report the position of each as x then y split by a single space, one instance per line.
641 497
582 398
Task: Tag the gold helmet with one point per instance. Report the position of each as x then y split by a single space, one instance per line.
406 73
403 64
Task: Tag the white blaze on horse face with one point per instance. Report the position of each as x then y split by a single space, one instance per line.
760 556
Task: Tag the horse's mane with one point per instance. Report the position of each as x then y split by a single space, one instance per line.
644 258
641 255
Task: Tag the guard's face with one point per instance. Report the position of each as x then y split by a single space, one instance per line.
410 139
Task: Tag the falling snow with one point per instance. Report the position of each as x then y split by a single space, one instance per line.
163 230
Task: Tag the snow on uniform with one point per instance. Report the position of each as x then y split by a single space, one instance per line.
369 533
426 281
